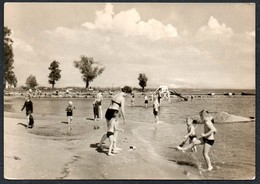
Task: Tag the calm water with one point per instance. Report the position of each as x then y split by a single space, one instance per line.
232 156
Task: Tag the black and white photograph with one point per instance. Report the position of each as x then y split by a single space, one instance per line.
129 91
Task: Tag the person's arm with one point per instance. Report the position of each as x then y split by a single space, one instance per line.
211 131
116 126
123 109
32 106
23 106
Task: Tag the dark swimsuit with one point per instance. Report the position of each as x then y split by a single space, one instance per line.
109 134
192 137
208 141
110 112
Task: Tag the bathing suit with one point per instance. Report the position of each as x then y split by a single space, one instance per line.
110 113
192 136
208 141
109 134
119 104
155 112
146 101
69 111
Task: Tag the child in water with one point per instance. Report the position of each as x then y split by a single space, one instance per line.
146 101
156 108
69 111
191 136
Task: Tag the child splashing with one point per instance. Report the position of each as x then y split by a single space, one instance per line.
191 136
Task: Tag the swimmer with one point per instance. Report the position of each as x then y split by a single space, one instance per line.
69 111
156 108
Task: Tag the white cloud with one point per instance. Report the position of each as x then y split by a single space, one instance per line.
214 30
129 23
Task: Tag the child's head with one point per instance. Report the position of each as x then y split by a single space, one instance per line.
204 115
155 97
70 103
190 121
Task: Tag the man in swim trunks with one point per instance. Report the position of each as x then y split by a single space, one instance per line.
207 138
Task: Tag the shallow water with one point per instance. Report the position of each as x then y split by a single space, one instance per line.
232 155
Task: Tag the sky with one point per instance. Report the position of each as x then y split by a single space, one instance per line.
181 45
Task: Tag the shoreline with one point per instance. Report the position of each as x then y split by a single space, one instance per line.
75 156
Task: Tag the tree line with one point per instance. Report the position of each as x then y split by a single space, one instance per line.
86 66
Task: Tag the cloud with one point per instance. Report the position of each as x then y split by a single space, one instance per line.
129 23
214 30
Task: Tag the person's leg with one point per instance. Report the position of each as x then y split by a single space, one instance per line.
100 112
196 142
28 119
111 139
206 156
115 142
104 137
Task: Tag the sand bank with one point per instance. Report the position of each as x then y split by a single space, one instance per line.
51 151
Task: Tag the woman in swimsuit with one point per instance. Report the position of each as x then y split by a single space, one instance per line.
117 103
207 138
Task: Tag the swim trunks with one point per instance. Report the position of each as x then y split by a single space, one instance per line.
155 112
69 113
146 101
110 113
208 141
192 136
109 134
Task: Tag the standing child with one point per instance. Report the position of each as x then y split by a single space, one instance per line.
132 99
156 108
96 109
191 136
28 105
69 111
113 127
146 101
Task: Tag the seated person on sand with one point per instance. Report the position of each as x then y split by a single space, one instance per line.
207 138
113 127
191 136
117 103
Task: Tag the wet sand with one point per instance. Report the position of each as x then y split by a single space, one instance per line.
51 151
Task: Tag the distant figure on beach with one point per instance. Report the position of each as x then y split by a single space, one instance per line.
113 127
207 138
132 99
156 106
29 92
146 101
117 103
69 111
28 105
191 136
191 97
99 99
96 109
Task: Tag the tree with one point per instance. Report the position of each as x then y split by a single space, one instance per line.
31 82
142 80
9 75
127 89
87 69
55 73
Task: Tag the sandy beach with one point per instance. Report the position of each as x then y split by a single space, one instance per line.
49 151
